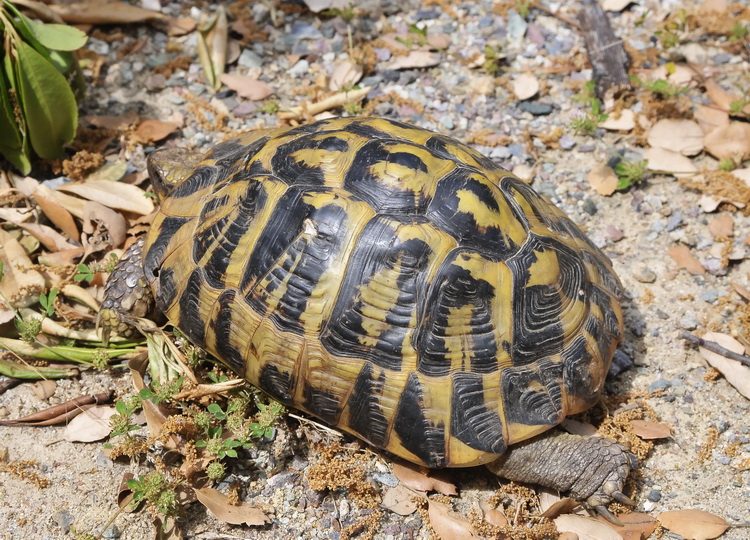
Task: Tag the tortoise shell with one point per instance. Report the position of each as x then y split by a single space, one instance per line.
390 281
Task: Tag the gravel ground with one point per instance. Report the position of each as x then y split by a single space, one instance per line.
457 97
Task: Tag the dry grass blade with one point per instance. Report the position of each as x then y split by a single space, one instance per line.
336 100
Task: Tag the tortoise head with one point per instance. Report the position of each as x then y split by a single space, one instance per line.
168 166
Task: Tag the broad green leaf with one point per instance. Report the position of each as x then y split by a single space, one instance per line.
58 37
11 139
48 103
62 60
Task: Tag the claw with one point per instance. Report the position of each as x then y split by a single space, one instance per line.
606 514
620 497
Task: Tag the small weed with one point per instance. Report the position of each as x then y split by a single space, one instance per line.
270 107
492 59
586 122
347 14
739 32
726 164
736 108
522 7
661 87
47 302
156 490
630 172
217 446
162 392
83 273
642 19
353 108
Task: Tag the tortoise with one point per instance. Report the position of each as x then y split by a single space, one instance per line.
394 283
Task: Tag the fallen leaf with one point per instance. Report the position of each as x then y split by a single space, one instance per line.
677 74
91 425
648 430
615 5
247 87
736 374
104 227
667 161
104 13
741 290
603 179
179 26
449 524
710 203
624 122
218 504
710 118
414 477
150 130
683 136
635 525
400 500
525 86
565 505
693 524
731 141
685 259
56 212
414 59
112 195
44 389
578 428
18 279
585 527
49 237
722 226
345 74
495 517
718 95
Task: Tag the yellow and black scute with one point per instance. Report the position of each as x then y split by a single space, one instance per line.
390 281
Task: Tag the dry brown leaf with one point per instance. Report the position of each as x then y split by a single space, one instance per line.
578 428
741 290
94 12
585 527
449 524
736 374
91 425
345 74
678 135
247 87
150 130
647 430
709 203
693 524
414 59
113 122
56 212
495 517
615 5
400 500
710 118
413 476
104 227
722 226
624 122
718 95
677 74
731 141
603 179
685 259
218 504
635 525
525 86
113 195
44 389
179 26
667 161
565 505
49 237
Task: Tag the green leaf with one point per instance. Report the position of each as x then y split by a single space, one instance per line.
11 137
57 37
121 408
48 103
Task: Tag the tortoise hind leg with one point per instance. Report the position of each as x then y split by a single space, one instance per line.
127 295
592 469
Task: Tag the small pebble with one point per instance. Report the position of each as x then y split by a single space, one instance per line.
386 479
64 520
689 323
111 532
659 384
674 221
567 142
156 82
722 58
250 59
537 109
613 233
620 363
709 296
586 148
589 206
654 495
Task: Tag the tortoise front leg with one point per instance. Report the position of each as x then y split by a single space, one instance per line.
592 469
127 295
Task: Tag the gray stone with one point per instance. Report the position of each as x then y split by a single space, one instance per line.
654 495
250 59
722 58
567 142
710 296
64 520
659 384
535 108
689 323
620 363
386 479
645 275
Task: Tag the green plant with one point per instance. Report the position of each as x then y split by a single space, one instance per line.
268 416
270 107
727 164
739 32
586 122
38 109
156 490
630 172
492 59
660 87
162 391
642 19
523 8
347 13
736 107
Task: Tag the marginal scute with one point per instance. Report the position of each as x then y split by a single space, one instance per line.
390 281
